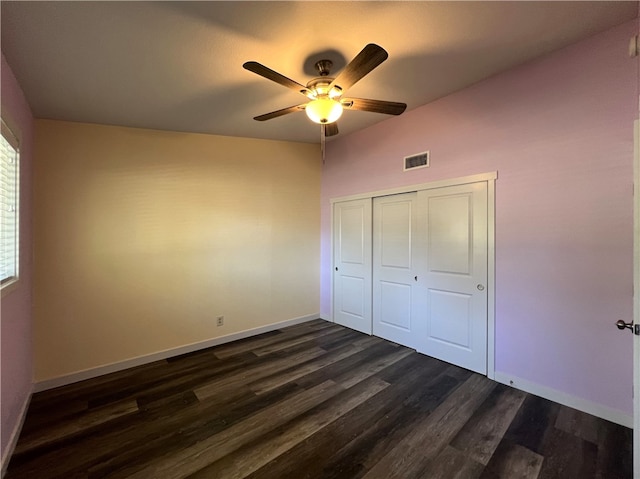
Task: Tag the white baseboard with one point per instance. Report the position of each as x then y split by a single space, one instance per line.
15 434
604 412
149 358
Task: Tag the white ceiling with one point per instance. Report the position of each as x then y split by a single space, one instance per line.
178 65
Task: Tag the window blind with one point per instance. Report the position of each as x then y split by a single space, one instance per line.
8 205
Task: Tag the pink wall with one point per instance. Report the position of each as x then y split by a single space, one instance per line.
15 307
559 132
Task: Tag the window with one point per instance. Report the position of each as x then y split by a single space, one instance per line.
8 206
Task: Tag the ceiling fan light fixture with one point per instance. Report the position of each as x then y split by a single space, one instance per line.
323 110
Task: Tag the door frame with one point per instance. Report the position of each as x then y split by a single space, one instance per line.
489 178
636 298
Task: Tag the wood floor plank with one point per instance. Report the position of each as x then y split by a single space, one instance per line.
335 341
276 380
533 422
191 459
430 435
73 455
255 372
333 437
238 347
451 463
52 397
368 357
114 438
480 436
172 382
382 435
314 400
41 418
567 455
316 335
578 423
313 325
75 425
370 368
615 454
196 426
362 339
343 370
512 461
247 460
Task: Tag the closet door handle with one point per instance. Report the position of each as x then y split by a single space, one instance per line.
415 278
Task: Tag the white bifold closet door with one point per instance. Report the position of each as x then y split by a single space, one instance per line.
352 264
452 227
395 292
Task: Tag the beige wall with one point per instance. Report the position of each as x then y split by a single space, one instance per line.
143 237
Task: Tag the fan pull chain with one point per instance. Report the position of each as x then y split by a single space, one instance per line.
322 142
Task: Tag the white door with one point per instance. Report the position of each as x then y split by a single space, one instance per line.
394 283
352 264
453 223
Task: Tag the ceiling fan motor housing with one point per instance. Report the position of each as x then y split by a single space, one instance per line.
319 88
324 67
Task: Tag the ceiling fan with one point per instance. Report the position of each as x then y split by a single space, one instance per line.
325 102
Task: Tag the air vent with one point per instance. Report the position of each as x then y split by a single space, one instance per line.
420 160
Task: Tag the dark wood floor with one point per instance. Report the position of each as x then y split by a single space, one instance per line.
311 401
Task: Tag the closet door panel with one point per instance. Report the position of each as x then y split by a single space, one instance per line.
394 286
454 278
352 264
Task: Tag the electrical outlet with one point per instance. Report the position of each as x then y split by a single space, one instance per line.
220 320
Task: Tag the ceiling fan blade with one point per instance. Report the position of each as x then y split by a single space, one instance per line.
277 113
272 75
330 129
370 57
376 106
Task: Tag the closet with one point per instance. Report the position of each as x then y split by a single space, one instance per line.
413 268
